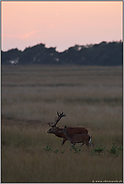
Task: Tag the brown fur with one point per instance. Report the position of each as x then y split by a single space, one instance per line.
77 138
71 130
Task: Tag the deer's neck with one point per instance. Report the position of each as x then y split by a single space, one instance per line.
68 136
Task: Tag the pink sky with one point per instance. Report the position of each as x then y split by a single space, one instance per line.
59 24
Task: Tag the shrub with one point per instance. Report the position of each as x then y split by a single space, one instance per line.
75 149
98 149
56 151
115 150
47 148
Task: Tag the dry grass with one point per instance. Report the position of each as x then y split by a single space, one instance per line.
27 166
91 97
25 160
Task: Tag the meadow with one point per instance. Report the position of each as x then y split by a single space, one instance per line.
91 96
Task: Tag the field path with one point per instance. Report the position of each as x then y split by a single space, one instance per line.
13 121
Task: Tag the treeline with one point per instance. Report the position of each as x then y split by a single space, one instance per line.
102 54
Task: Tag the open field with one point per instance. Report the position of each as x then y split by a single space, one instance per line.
90 96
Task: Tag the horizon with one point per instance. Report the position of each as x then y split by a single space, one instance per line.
63 50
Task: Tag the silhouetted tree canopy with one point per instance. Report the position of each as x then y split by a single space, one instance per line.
102 54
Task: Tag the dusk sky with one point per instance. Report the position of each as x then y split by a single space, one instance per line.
59 24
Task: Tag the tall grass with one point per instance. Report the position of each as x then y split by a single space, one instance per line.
29 92
24 158
31 95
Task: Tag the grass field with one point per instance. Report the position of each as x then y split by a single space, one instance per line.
90 96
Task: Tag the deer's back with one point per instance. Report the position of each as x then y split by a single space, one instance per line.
77 130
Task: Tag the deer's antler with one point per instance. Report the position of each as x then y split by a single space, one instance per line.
60 115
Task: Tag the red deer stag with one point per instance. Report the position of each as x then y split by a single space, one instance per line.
72 130
77 138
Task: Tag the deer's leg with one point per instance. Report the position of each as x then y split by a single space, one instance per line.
73 143
91 143
87 143
64 140
82 144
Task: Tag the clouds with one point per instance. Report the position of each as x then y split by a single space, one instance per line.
8 35
27 35
20 36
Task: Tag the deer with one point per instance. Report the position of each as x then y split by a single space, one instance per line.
72 130
77 138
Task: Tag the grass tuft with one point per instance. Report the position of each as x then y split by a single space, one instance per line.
115 150
98 149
